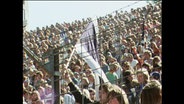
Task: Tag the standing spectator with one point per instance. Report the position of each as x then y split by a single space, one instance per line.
80 97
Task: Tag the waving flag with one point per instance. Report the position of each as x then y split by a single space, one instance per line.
87 49
89 42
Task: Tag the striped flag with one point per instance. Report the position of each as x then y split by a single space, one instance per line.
89 41
87 49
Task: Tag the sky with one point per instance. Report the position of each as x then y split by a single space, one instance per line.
44 13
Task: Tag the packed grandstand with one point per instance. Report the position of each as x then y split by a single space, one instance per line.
128 60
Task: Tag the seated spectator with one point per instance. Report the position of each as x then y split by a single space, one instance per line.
155 76
104 65
92 94
69 98
48 94
130 86
151 93
36 98
143 78
117 96
111 75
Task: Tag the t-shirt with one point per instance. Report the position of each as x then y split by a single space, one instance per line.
69 99
112 77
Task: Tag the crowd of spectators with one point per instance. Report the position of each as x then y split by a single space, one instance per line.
130 54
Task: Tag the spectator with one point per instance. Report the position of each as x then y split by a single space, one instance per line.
143 78
27 96
151 93
91 78
79 96
104 65
148 57
95 81
155 76
111 75
117 96
36 98
92 94
48 94
156 61
69 98
84 86
155 49
130 86
131 60
147 66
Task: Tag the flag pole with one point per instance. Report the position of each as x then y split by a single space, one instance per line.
70 57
